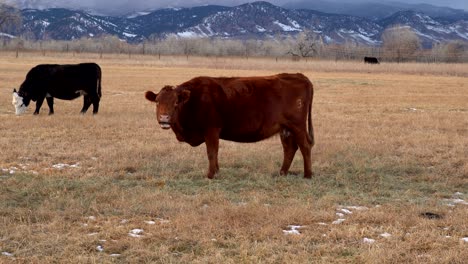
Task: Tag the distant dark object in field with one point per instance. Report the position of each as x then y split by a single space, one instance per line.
371 60
66 82
240 109
430 215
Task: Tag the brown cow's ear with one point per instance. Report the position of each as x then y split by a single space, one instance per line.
150 96
184 96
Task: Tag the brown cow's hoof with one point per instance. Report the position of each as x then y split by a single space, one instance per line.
211 175
308 175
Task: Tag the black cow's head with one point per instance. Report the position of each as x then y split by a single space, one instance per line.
168 104
20 101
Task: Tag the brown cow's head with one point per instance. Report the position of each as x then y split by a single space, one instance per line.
168 102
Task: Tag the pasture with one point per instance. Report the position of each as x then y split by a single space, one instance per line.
390 161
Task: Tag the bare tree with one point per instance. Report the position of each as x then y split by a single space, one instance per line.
454 50
400 43
9 17
306 44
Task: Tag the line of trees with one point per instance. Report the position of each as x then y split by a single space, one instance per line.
297 48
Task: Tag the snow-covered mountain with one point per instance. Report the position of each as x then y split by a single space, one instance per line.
252 20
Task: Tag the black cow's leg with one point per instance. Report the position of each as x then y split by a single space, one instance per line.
289 148
50 103
86 103
305 146
212 146
95 105
38 105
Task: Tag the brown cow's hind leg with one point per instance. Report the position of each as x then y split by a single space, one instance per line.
305 146
289 149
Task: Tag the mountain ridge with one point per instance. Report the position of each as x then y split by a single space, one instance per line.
251 20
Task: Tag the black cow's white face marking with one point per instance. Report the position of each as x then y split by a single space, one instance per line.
17 102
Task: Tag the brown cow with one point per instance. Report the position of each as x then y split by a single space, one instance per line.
241 109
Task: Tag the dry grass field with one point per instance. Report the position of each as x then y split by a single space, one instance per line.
390 160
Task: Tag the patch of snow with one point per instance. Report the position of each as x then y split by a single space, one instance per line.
129 35
187 34
8 254
64 165
346 211
92 217
322 223
285 27
150 222
455 201
6 35
386 235
439 29
354 207
114 255
124 221
260 29
294 23
338 221
137 14
366 38
136 232
163 221
341 215
100 248
368 240
93 234
293 230
465 239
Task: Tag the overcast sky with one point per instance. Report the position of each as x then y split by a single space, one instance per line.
137 5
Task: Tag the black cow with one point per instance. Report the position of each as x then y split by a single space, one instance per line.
371 60
66 82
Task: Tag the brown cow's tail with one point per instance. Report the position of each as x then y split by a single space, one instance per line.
309 124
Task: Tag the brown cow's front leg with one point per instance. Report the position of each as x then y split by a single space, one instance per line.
212 146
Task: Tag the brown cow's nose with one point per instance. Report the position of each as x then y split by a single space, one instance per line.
164 119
